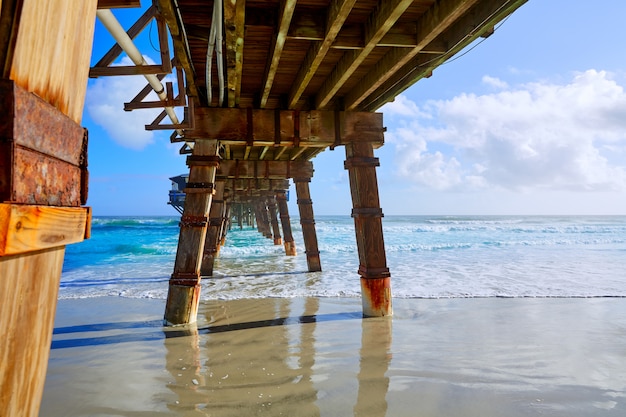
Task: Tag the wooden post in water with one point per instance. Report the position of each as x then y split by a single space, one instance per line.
375 277
266 228
184 287
211 242
226 213
307 221
271 207
283 209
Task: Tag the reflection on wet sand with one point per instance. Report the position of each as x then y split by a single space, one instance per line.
375 357
237 366
267 367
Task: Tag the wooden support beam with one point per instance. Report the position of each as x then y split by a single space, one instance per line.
482 19
226 224
311 27
338 12
181 44
283 210
52 51
184 286
440 16
379 23
287 7
271 208
277 170
234 19
29 286
26 228
211 242
262 127
307 221
375 277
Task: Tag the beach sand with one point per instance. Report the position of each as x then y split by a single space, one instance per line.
317 357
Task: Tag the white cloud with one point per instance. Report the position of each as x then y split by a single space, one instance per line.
535 136
495 82
105 103
402 106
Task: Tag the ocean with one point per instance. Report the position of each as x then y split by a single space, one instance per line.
428 256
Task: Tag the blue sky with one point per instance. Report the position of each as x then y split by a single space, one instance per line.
531 120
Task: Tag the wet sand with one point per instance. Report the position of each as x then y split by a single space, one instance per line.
317 357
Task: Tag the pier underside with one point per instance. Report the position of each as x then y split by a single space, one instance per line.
268 85
284 81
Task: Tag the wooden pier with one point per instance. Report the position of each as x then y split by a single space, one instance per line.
285 80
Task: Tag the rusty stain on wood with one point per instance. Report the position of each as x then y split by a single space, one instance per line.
376 295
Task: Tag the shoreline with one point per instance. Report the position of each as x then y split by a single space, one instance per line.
111 356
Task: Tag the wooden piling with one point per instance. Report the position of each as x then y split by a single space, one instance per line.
283 210
43 180
184 286
307 221
375 277
271 208
212 240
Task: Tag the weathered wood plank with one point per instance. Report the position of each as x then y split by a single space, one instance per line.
44 62
458 36
306 128
265 169
29 285
234 19
438 18
25 228
287 8
379 23
337 15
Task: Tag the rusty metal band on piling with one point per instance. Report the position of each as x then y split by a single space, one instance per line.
193 221
367 212
373 273
361 162
203 160
186 279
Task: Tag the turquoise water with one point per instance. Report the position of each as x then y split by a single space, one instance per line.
429 257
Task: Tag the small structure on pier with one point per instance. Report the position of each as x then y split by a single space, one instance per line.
177 192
